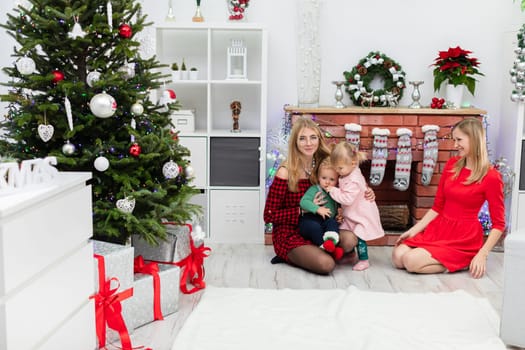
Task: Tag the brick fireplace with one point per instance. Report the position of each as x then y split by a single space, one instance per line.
418 198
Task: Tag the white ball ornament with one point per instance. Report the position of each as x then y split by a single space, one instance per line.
101 163
26 65
170 170
137 109
68 149
92 78
103 105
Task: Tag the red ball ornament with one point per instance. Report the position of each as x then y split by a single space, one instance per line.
57 76
125 31
135 150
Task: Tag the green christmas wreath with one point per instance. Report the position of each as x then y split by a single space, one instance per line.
359 78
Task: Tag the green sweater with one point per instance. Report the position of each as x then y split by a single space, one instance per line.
307 202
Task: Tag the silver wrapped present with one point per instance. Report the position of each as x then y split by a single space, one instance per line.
118 262
166 249
141 305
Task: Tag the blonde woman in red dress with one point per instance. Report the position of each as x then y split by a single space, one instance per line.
307 148
449 237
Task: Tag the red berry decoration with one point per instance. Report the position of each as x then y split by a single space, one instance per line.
135 150
125 31
57 76
437 103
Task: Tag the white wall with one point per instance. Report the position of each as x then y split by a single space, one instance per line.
409 31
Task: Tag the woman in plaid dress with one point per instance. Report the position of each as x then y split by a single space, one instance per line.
307 148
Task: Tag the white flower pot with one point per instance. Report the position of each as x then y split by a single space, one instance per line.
175 75
454 95
184 74
194 74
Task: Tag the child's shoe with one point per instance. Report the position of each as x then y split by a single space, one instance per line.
338 253
331 239
329 246
361 265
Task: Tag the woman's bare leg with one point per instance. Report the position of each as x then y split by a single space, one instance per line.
397 255
312 258
419 260
347 240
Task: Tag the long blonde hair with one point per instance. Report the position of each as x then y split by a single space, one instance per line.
473 128
293 162
346 152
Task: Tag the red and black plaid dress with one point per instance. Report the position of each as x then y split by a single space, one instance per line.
282 210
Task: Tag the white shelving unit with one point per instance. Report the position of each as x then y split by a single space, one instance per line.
229 166
512 141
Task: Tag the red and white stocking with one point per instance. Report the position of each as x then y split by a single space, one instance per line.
403 159
430 152
379 155
353 134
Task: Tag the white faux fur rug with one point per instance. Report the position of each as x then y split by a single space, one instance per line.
244 318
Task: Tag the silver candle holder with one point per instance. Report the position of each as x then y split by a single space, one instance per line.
339 94
416 95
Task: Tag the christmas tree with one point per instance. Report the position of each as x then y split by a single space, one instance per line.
79 91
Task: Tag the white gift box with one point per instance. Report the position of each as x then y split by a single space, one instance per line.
183 120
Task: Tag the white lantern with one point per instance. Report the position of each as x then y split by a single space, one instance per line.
236 60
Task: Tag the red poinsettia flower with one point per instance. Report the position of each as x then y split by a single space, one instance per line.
456 67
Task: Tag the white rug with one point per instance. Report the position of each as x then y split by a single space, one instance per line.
244 318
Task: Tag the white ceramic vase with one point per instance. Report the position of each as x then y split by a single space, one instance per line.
454 95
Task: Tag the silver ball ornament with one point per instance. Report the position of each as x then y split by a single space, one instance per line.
103 105
68 148
127 70
137 109
514 97
170 170
101 163
189 171
26 65
92 78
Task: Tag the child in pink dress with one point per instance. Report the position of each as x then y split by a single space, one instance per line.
360 216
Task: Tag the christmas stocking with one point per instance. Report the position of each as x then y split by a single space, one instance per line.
353 134
403 159
430 152
379 155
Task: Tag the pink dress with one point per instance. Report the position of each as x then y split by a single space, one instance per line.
361 216
455 236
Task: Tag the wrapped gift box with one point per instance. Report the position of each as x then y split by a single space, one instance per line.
118 260
166 249
141 305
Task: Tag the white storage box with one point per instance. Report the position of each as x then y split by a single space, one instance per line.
512 330
183 120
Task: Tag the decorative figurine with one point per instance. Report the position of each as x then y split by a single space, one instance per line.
235 106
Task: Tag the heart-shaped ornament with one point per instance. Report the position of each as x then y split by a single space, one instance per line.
126 205
45 131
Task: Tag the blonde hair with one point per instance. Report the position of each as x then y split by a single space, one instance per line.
346 152
293 162
325 164
479 156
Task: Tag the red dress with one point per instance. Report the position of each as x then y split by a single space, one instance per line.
282 210
455 236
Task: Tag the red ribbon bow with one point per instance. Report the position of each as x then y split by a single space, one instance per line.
108 308
150 268
192 268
